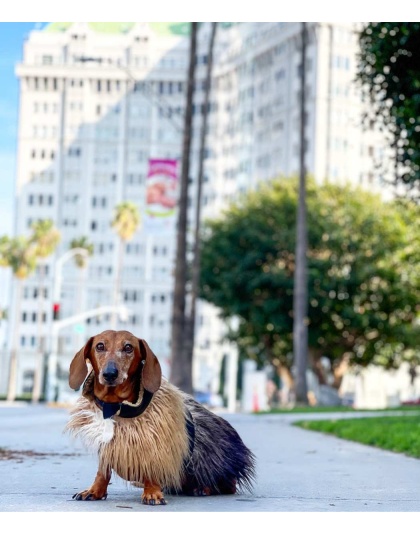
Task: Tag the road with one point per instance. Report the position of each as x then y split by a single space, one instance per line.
298 470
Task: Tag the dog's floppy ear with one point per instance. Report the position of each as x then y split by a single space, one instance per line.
78 367
152 373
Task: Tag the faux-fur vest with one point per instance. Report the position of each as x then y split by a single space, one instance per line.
157 445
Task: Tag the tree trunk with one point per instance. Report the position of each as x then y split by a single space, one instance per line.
316 365
340 369
287 396
117 287
11 388
80 302
181 370
189 336
39 362
300 296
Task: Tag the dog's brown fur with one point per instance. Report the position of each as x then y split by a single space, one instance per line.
154 449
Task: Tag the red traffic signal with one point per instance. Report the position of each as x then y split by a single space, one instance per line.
56 311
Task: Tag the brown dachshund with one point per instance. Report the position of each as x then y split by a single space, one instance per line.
146 430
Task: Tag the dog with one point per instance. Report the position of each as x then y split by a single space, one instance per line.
146 430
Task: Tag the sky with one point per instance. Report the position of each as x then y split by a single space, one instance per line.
11 46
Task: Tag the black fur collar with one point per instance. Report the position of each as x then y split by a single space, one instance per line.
122 409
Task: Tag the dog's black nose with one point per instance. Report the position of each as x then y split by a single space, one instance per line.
110 372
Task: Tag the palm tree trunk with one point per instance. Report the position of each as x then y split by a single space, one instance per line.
36 391
195 281
116 299
300 296
80 304
11 388
180 374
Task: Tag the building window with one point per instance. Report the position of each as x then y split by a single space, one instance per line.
76 152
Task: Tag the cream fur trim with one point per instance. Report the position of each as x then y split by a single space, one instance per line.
152 446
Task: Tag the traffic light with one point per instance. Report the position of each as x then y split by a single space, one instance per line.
56 311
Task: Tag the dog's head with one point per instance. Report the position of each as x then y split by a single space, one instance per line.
116 357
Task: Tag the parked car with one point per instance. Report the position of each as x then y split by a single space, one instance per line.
208 399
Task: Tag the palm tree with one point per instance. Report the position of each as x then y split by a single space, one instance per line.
45 238
125 222
195 271
81 261
4 245
81 242
178 363
19 254
300 295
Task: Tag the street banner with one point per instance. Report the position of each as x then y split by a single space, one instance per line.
161 194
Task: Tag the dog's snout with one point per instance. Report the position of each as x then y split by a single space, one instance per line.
110 372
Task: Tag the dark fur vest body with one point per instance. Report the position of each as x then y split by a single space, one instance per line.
159 446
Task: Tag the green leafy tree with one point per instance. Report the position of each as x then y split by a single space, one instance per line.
125 222
44 240
363 274
389 71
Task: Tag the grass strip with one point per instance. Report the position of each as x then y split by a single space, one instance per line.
393 433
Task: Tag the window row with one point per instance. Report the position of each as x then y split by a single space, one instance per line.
40 200
42 177
45 107
34 317
42 154
159 298
44 132
35 292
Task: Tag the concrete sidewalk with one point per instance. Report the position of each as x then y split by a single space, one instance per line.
298 470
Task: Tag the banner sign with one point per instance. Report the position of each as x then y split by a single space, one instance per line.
161 193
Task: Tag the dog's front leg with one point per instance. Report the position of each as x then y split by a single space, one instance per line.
97 491
152 494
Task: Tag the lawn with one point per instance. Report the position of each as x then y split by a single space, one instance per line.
328 409
397 433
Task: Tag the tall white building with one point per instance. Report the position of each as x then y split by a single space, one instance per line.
99 100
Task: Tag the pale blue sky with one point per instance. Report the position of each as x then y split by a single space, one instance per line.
12 36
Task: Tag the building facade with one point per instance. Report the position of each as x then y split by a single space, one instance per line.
98 101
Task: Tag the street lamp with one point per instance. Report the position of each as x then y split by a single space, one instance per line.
53 352
57 323
58 270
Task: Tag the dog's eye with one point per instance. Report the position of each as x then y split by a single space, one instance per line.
100 347
128 348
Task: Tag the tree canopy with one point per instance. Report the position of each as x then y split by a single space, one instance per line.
363 272
126 220
389 71
83 243
45 237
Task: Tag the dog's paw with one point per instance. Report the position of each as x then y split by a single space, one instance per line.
153 498
89 495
